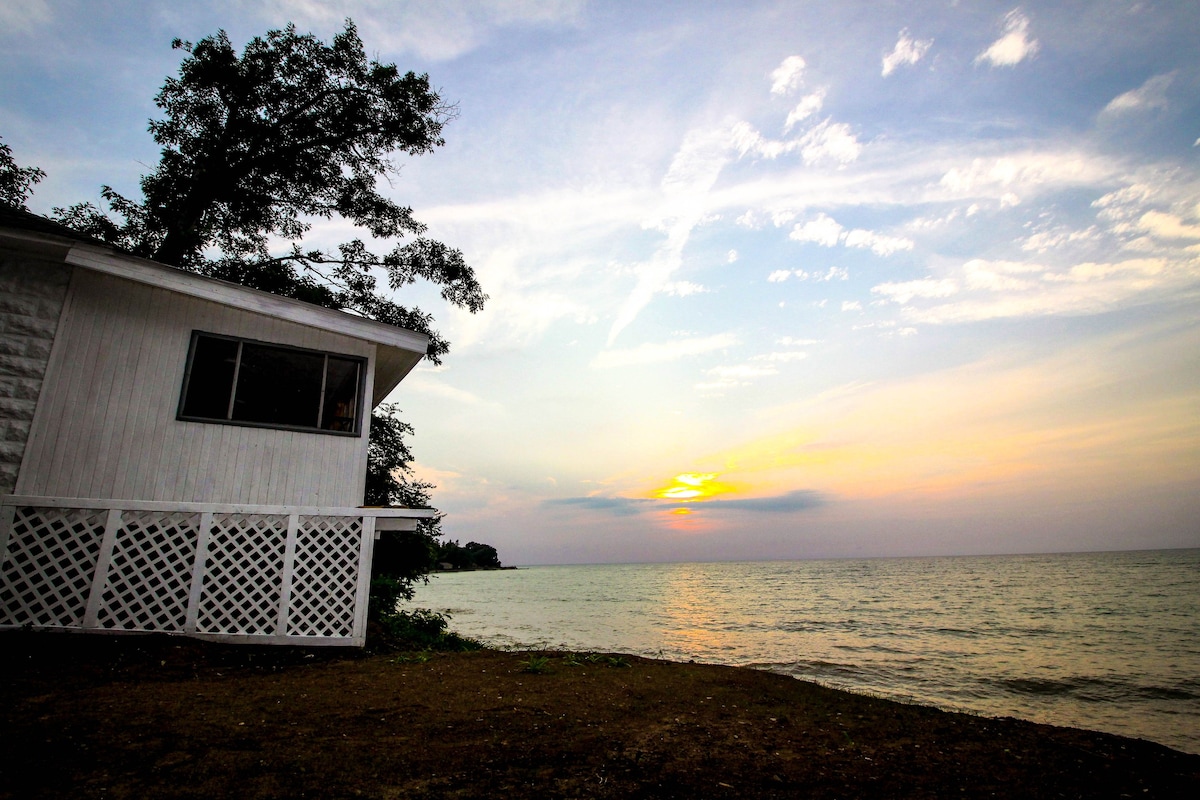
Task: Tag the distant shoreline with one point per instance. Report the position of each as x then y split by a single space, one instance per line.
439 570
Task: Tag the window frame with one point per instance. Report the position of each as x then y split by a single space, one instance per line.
360 390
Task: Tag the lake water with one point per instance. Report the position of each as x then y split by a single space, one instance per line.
1107 641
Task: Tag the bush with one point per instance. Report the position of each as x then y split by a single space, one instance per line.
391 629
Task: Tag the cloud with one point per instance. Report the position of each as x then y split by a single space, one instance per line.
790 502
24 16
829 141
1167 226
826 231
823 230
823 143
879 244
742 372
1017 175
1014 46
788 76
693 171
851 305
1151 94
1047 240
798 500
808 105
421 381
683 289
437 31
784 357
654 353
907 290
617 506
907 51
1015 290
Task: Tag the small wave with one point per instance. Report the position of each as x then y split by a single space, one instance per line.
1100 690
1040 686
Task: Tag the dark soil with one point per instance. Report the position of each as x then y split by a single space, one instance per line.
138 717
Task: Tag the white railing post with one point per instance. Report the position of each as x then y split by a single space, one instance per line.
362 596
289 566
193 606
7 515
112 524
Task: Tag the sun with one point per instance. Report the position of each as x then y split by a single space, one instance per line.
691 486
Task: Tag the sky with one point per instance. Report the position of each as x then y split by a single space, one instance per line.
767 279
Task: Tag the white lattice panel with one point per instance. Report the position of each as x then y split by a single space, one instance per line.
267 574
52 556
243 574
325 577
150 573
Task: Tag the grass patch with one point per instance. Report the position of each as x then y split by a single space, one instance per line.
536 665
595 659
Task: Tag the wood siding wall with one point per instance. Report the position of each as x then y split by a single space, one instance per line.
105 426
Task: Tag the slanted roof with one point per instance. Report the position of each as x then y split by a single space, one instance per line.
398 350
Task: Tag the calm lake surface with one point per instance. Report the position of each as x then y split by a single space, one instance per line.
1107 641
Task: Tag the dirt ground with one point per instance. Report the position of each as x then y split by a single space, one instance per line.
140 717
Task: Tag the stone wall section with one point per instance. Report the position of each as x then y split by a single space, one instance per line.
32 293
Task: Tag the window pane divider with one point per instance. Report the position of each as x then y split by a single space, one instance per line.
237 367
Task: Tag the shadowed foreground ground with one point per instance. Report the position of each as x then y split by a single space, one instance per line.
133 717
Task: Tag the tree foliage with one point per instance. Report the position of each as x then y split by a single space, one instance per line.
256 147
472 555
403 556
16 183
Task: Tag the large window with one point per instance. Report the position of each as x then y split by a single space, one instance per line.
243 382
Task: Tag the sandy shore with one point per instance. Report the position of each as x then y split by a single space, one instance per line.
133 716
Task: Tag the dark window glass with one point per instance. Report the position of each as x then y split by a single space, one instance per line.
278 386
262 384
211 380
341 395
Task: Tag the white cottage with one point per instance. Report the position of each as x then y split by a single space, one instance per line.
180 454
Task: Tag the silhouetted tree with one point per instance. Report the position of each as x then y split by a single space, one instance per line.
16 183
256 146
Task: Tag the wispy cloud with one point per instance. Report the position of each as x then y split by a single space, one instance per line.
617 506
787 503
797 500
810 104
657 352
438 31
905 291
907 51
1151 94
693 171
24 16
1014 46
683 289
1014 289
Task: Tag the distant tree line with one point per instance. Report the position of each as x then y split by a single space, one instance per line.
472 555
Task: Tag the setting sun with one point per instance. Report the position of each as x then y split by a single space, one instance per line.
693 486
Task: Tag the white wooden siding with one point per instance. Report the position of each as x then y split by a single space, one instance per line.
105 425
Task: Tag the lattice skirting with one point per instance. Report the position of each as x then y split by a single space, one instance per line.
272 577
